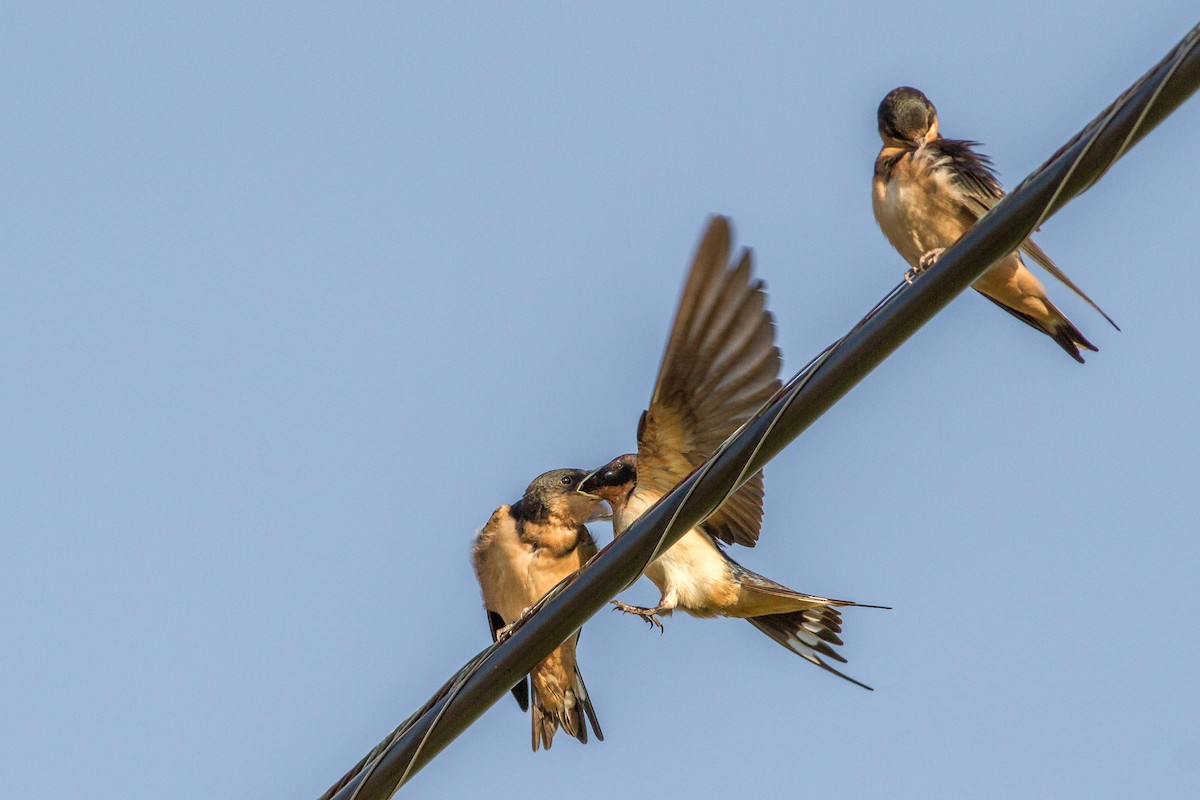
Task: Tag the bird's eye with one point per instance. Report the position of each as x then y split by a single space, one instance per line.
566 481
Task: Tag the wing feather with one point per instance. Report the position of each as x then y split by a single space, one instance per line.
1039 256
520 689
975 177
720 365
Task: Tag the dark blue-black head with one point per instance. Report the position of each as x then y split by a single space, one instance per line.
614 481
907 117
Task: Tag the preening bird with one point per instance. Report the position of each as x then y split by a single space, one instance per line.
928 191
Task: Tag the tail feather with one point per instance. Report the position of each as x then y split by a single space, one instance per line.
586 701
810 634
1068 337
545 725
758 585
568 713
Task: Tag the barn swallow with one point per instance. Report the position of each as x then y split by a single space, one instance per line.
524 551
928 191
721 364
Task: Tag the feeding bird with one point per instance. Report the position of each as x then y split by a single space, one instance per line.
928 191
720 365
524 551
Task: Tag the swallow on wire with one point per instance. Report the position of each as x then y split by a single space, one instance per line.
721 364
524 551
928 191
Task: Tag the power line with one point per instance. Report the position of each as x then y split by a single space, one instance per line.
1073 169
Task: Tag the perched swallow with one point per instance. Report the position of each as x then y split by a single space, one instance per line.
524 551
928 191
721 364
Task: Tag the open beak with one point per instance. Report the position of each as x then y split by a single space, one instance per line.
600 513
587 484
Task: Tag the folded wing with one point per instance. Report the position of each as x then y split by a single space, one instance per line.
975 177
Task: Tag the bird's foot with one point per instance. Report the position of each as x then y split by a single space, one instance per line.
931 258
924 263
650 615
506 631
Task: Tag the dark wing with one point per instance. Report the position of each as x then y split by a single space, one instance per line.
1039 256
974 176
973 173
721 364
521 689
1068 337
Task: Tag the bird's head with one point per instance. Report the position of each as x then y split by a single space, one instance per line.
906 117
556 494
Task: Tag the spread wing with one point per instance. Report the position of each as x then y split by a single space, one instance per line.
975 177
721 364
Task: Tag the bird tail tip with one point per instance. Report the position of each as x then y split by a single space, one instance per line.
810 634
1071 340
573 715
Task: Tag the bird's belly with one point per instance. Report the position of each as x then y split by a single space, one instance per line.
913 219
510 589
693 575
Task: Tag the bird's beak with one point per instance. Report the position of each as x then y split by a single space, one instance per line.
932 133
600 513
587 484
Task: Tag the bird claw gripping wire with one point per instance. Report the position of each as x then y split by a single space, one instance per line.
928 260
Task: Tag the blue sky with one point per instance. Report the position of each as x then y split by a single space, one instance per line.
296 294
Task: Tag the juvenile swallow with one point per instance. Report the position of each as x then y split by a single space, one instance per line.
721 364
928 191
524 551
